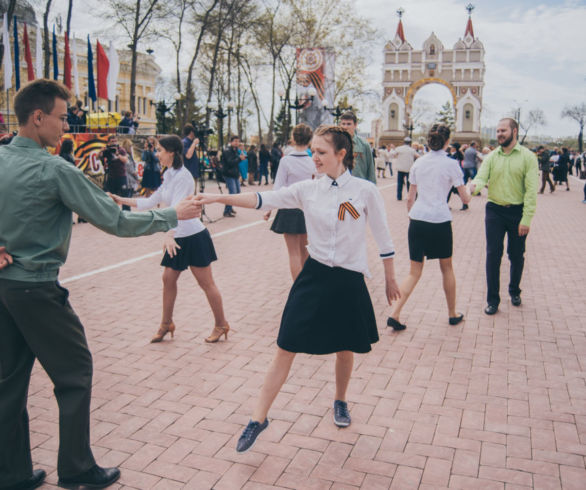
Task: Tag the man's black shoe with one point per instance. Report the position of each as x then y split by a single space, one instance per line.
34 481
248 437
229 215
491 309
464 207
516 300
96 477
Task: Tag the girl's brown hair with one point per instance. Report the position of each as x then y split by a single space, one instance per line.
173 144
341 140
437 136
302 134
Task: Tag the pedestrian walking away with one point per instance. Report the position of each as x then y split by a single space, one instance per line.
430 226
329 309
295 167
187 246
511 173
36 318
404 157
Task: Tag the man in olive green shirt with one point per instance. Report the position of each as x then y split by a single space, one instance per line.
38 192
363 159
511 171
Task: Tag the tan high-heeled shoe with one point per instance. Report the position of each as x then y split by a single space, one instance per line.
217 332
163 329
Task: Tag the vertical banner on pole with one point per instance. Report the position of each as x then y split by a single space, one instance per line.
16 57
315 70
7 67
39 53
30 71
55 57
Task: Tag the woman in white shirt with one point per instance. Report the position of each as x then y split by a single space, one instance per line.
329 309
430 229
296 166
188 245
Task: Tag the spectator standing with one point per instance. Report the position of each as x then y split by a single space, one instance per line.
470 162
190 158
276 155
66 150
125 123
132 177
243 165
252 165
563 168
544 166
151 175
229 163
114 160
404 157
363 159
388 159
264 157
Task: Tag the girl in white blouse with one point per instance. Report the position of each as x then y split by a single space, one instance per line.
329 309
430 229
188 245
294 167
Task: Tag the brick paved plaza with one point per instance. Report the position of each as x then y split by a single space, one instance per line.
495 402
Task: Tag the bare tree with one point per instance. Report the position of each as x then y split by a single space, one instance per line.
135 17
578 114
535 117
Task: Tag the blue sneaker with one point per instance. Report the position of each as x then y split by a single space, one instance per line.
341 414
248 437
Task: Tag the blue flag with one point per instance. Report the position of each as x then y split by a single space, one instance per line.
91 86
55 57
16 57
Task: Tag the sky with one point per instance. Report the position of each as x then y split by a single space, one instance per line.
535 52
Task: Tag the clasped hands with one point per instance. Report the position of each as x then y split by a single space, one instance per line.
5 258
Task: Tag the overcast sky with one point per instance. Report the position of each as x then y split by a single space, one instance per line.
535 50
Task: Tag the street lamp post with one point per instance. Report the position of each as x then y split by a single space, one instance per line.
221 115
409 127
337 111
299 104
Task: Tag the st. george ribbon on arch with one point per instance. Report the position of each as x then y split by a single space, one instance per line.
406 70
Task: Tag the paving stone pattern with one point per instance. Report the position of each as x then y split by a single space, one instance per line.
495 402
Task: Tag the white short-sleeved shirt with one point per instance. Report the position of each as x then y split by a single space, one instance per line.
176 186
336 237
434 174
294 167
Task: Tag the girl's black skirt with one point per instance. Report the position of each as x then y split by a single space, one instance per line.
196 250
328 310
291 221
431 240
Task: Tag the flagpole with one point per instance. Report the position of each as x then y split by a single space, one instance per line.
7 111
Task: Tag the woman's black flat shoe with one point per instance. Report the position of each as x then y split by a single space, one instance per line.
391 322
454 320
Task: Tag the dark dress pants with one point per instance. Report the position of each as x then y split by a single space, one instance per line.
401 177
501 220
37 321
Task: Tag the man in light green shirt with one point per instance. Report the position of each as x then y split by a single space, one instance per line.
512 175
38 192
363 159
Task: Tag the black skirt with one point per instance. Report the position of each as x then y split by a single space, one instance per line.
196 250
291 221
431 240
151 179
328 310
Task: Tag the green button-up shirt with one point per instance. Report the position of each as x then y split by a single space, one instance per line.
512 179
38 192
363 160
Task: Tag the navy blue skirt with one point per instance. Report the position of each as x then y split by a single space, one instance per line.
196 250
290 221
328 310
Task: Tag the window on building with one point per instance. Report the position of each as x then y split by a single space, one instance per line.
432 50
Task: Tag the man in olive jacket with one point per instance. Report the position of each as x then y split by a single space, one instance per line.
38 192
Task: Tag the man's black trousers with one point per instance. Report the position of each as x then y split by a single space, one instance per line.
37 321
501 220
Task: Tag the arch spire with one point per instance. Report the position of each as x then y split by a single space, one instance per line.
400 32
469 28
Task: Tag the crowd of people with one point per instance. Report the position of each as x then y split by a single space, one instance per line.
325 193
